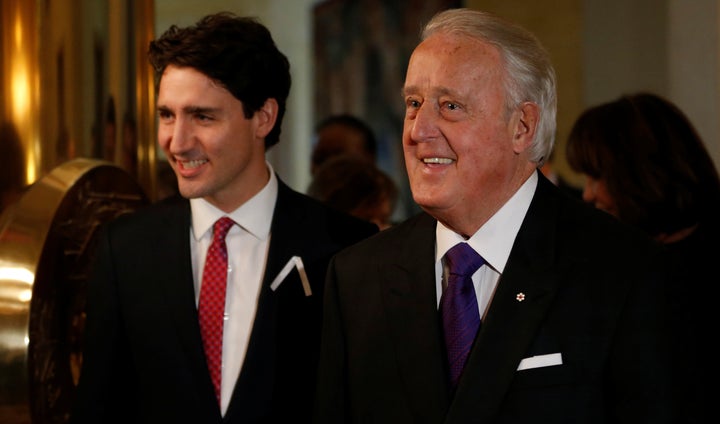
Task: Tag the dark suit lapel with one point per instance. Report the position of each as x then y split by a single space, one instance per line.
291 233
408 276
511 324
172 248
283 315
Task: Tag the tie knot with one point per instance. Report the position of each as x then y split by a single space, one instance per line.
463 260
221 228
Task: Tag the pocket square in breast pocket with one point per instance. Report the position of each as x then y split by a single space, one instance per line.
540 361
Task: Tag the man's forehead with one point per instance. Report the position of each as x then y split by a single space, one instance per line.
190 90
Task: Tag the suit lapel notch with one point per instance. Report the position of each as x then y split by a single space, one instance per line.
409 296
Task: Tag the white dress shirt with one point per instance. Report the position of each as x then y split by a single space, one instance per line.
493 241
247 244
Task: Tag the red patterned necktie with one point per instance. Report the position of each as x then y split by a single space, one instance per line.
211 308
459 307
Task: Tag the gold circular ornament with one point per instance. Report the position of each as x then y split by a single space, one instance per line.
47 243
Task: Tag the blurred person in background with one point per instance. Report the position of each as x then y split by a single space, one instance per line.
645 164
343 134
357 187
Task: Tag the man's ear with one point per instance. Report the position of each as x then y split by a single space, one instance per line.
266 117
525 124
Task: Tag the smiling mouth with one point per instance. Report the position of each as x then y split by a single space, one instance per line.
192 164
439 161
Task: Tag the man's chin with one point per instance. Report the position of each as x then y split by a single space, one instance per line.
190 192
430 203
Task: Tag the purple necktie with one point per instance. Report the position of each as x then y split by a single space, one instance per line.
211 307
459 307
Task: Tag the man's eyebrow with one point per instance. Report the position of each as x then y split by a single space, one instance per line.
438 91
200 109
410 89
190 110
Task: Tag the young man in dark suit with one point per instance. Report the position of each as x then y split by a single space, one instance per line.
556 315
163 342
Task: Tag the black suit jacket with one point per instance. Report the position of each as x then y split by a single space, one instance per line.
144 361
592 292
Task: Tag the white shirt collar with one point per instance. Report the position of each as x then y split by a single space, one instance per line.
255 215
494 240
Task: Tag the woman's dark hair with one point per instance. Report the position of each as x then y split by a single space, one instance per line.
236 52
652 161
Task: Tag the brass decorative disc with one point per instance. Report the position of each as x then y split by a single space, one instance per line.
47 243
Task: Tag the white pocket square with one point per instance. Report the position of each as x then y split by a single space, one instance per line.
296 262
540 361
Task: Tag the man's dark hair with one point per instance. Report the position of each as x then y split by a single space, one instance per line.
237 52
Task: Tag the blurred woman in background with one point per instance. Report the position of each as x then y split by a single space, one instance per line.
645 164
